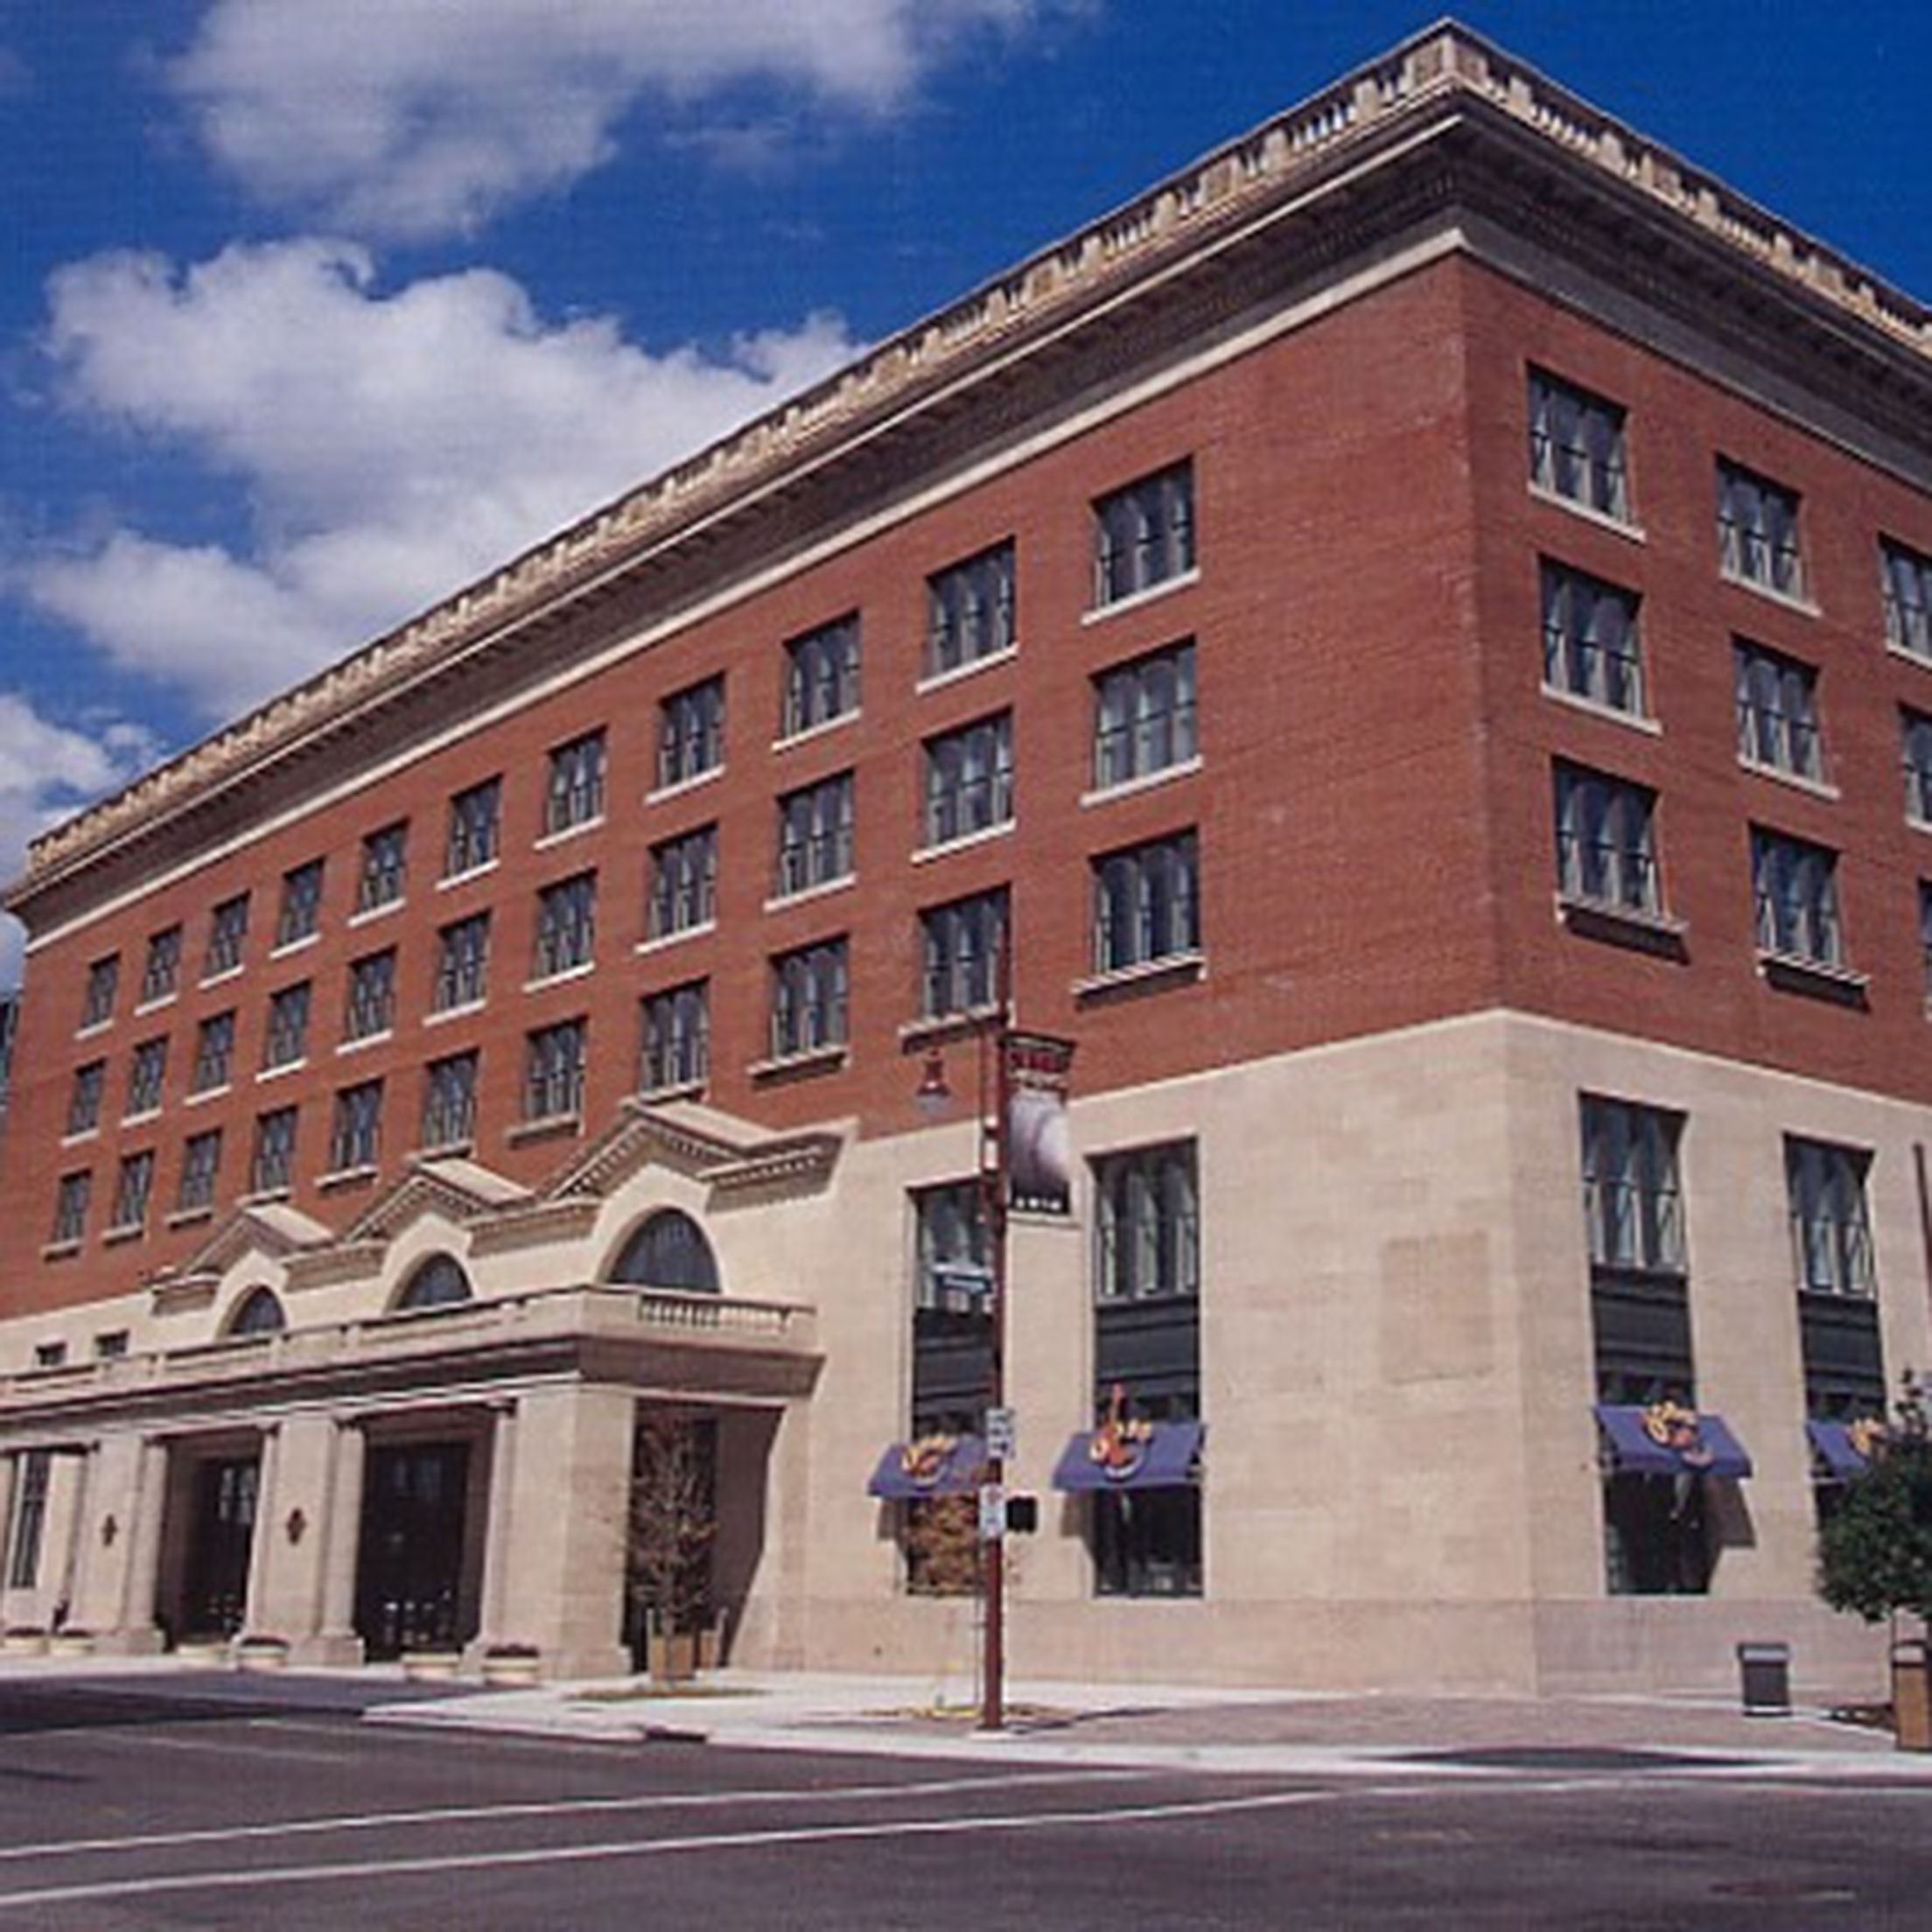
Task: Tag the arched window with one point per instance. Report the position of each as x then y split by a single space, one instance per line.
438 1283
668 1251
260 1313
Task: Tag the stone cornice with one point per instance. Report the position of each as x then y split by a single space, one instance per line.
912 378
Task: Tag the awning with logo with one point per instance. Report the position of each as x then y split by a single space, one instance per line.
1640 1442
1837 1445
933 1466
1166 1457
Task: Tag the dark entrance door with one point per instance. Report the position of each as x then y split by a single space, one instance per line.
216 1596
409 1576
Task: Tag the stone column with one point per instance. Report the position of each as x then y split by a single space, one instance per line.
107 1538
570 1503
498 1536
287 1581
253 1616
135 1628
341 1532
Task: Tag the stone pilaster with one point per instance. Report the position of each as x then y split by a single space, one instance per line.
340 1534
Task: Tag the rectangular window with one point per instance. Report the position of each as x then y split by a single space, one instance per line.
1915 740
970 611
449 1100
70 1208
288 1035
814 836
97 1000
677 1050
1925 938
1777 711
355 1135
961 944
684 882
1143 717
371 1009
132 1190
1606 840
462 964
1577 446
475 818
566 925
29 1519
1147 1224
1143 535
146 1073
1830 1227
84 1101
228 933
273 1168
575 793
111 1345
952 1311
1796 889
1591 648
200 1167
553 1071
690 733
808 994
1633 1206
821 677
1904 583
1147 904
301 904
213 1052
970 779
1758 531
162 973
385 856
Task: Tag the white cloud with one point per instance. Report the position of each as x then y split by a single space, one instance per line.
392 446
417 117
46 771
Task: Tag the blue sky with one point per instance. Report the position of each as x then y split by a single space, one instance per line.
311 310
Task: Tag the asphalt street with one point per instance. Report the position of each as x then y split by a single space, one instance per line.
218 1805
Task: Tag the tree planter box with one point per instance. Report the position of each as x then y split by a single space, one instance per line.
430 1666
24 1643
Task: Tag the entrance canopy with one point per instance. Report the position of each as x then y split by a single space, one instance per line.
930 1466
1166 1456
1845 1448
1686 1444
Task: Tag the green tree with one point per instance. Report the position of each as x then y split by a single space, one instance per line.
1875 1554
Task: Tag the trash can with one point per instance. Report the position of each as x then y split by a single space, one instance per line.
1911 1696
1764 1678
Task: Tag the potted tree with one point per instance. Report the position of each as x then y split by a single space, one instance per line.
673 1525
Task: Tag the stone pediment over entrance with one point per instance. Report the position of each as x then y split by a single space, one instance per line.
702 1142
271 1229
458 1191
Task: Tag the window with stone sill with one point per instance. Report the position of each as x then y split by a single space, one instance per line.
1606 841
1143 535
132 1188
147 1072
162 972
1777 700
301 903
1147 904
371 1007
70 1208
227 935
566 925
1758 531
214 1052
1577 446
808 999
1831 1222
970 611
676 1037
815 836
684 882
1795 888
1905 585
288 1032
449 1100
1632 1203
690 737
961 944
462 964
1925 939
474 825
383 871
1591 644
1915 746
969 779
574 795
553 1071
84 1099
200 1167
97 998
355 1133
1144 715
821 677
272 1171
1147 1223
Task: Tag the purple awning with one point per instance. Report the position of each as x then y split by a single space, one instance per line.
954 1473
1836 1447
1713 1450
1166 1459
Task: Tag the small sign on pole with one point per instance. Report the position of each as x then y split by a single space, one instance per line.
1002 1434
992 1512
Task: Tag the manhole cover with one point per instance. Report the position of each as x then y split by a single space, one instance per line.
1532 1757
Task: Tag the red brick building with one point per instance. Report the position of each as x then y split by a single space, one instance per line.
1412 628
